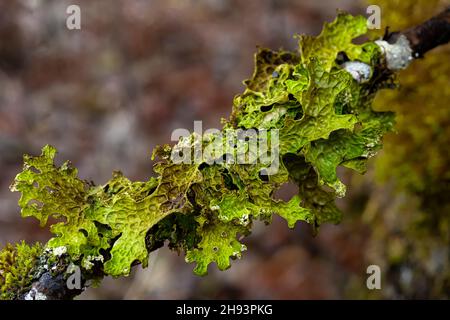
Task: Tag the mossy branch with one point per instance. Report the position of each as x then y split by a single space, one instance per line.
314 107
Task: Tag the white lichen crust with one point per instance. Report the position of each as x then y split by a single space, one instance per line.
33 294
360 71
398 55
59 251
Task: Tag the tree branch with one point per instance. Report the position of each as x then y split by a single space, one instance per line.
428 35
420 39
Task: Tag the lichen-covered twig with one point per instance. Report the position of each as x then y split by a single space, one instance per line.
314 108
426 36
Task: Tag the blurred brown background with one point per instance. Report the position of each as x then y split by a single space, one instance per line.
106 95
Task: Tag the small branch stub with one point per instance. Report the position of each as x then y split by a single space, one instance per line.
398 55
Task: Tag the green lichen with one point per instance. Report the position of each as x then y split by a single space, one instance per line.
121 210
323 119
17 265
218 245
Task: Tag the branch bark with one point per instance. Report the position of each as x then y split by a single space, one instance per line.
426 36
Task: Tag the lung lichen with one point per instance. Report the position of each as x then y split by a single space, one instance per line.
324 118
17 268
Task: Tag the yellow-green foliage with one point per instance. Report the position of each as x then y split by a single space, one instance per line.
16 268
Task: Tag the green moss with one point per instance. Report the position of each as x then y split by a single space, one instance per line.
17 266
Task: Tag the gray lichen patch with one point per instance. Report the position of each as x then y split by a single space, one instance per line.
398 55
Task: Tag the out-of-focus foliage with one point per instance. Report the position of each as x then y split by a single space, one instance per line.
324 118
422 100
412 235
17 263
